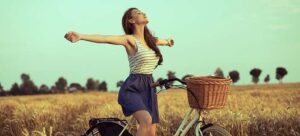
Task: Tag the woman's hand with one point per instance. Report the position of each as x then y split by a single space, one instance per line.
170 42
73 36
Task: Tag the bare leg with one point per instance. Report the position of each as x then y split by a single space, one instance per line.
145 122
153 130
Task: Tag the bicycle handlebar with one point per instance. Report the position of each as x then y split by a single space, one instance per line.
167 86
165 82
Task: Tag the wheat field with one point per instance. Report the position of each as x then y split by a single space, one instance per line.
250 111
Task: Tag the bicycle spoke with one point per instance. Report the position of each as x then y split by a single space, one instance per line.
96 132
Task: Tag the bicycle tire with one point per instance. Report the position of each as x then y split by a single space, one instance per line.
106 129
214 130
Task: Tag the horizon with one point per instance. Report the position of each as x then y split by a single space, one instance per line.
261 82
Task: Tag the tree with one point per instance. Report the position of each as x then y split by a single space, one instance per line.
27 86
2 92
255 73
219 72
1 88
280 73
75 87
171 75
103 86
120 83
234 75
44 89
267 79
53 89
96 85
91 84
15 89
25 77
61 84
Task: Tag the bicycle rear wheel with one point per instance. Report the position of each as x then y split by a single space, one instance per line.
214 130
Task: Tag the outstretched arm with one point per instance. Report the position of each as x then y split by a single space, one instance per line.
97 38
162 42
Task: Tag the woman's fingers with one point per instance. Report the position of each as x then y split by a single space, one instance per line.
170 42
74 37
70 36
67 35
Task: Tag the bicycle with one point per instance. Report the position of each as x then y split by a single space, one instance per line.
119 127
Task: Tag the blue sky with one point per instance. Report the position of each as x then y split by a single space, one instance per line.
231 34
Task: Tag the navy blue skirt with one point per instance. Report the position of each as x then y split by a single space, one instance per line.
136 94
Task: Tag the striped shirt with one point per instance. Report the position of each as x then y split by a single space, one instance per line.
144 61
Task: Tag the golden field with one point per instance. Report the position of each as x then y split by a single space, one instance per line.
251 110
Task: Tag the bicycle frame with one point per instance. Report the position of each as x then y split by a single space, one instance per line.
131 121
185 126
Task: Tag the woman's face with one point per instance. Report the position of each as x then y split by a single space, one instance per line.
138 17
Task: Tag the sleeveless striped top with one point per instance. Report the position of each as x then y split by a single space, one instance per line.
144 61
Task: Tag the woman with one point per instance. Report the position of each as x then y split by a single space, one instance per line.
136 97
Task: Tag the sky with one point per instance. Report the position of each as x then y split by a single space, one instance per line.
230 34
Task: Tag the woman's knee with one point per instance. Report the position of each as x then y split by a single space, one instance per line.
144 119
147 123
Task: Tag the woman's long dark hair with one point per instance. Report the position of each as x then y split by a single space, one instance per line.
149 38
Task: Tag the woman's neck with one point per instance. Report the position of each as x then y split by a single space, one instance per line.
139 31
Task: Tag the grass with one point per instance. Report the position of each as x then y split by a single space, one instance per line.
251 110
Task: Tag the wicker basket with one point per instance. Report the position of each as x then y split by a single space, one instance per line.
210 91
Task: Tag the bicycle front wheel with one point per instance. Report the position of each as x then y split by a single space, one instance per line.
214 130
93 131
106 129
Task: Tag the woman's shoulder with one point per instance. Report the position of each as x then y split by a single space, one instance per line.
131 39
131 42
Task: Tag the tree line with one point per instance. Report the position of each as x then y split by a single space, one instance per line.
255 73
27 87
281 72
